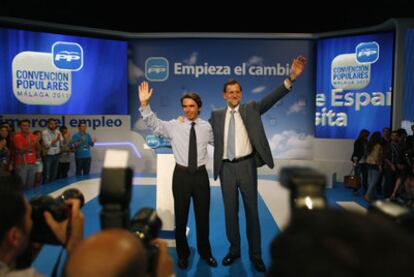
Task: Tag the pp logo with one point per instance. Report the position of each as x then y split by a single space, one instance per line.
67 55
367 52
156 69
157 142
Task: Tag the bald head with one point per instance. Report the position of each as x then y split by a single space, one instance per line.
110 253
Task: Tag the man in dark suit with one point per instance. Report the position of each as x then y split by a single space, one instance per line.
240 146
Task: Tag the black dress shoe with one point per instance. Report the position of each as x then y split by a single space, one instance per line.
182 263
229 259
211 261
258 264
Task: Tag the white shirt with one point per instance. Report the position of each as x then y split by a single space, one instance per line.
49 136
243 145
179 135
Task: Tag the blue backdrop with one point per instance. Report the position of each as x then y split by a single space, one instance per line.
408 98
95 83
175 66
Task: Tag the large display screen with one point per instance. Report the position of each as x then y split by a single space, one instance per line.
354 85
44 73
408 96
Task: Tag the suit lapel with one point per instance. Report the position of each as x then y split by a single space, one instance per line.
221 120
242 110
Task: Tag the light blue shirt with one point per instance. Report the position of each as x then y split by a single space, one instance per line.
179 135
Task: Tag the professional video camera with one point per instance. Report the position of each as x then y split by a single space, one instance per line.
307 187
59 210
115 196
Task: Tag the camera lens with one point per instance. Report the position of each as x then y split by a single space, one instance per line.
146 224
41 231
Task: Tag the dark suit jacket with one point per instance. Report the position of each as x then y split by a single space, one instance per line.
251 115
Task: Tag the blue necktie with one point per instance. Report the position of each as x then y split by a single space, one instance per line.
231 138
192 151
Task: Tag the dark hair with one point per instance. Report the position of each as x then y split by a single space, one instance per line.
194 96
335 242
81 122
63 127
12 207
50 120
231 82
362 132
23 121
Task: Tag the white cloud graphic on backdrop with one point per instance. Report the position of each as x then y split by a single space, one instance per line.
406 124
292 145
259 89
255 60
134 73
297 106
192 59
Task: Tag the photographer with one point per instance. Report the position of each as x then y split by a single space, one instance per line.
95 256
16 250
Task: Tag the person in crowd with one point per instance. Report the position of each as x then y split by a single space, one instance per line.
40 153
189 140
95 257
340 243
81 143
240 146
393 164
4 133
16 225
4 157
24 145
359 158
374 164
386 135
52 140
64 158
403 192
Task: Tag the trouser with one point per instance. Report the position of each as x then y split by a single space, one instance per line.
50 167
241 176
83 165
63 169
186 186
373 178
26 172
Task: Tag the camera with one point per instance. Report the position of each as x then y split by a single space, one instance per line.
398 214
115 197
307 187
56 206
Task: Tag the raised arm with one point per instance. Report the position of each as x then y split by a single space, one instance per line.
298 65
270 99
144 93
151 120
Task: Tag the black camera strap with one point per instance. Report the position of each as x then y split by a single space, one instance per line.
56 267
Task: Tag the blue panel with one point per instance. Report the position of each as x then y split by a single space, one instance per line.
42 73
353 85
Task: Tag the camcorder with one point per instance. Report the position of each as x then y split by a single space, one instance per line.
115 197
60 211
306 186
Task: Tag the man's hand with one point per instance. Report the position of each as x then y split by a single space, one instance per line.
181 119
70 231
144 93
164 266
297 67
